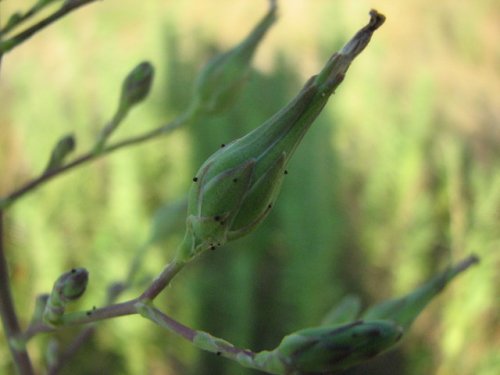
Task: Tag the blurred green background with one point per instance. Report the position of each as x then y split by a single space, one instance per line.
398 177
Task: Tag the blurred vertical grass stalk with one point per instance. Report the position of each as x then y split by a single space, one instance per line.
415 166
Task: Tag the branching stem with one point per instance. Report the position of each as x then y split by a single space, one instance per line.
18 39
91 156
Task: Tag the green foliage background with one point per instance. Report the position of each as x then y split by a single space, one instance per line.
399 176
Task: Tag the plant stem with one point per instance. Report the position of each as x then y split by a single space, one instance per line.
18 39
37 7
216 345
90 156
162 280
8 314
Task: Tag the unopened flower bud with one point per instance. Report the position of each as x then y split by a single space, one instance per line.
60 151
327 349
135 88
69 287
137 85
221 79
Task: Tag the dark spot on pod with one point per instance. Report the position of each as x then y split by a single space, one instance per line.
217 218
218 243
286 172
222 145
218 353
212 247
195 179
88 313
235 180
94 308
270 205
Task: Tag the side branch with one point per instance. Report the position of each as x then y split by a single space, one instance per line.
88 157
18 39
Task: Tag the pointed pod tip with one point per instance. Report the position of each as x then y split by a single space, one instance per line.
376 20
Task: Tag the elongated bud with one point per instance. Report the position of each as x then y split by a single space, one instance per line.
237 186
220 81
327 349
68 287
61 150
135 88
405 310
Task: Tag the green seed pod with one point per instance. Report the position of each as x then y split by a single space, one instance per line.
68 287
235 188
220 81
326 349
60 151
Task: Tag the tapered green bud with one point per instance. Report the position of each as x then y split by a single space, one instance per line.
68 287
405 310
324 350
236 187
135 88
220 81
60 151
137 84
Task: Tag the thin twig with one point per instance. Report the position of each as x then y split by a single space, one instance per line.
82 317
21 18
8 314
87 157
66 8
162 280
219 346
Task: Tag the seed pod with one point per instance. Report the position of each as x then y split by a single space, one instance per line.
235 188
326 349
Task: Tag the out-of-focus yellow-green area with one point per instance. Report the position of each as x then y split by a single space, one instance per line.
399 177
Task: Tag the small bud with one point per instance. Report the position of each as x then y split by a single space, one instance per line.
61 150
68 287
135 88
327 349
14 19
137 85
220 81
72 284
